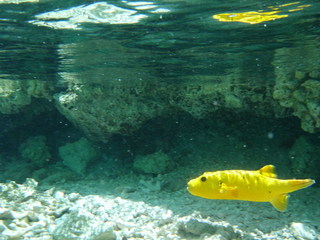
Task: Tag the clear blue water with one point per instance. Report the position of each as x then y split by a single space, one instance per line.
183 40
95 96
172 42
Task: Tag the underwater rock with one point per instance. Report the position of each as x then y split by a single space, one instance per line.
232 101
201 99
102 111
156 163
300 75
78 155
103 101
201 227
303 231
315 74
16 192
304 156
83 225
15 95
297 88
35 150
20 214
12 98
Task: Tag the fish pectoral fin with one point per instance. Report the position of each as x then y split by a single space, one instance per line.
280 202
228 189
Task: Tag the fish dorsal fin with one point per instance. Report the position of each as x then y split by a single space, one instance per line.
268 171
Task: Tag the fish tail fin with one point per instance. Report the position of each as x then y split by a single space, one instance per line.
280 202
297 184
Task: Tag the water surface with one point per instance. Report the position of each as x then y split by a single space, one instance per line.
171 41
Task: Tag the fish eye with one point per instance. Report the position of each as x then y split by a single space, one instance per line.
203 179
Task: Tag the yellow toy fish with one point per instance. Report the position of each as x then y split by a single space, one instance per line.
257 186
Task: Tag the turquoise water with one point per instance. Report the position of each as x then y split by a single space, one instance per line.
109 71
129 100
171 40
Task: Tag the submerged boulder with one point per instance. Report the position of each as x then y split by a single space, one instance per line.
102 111
35 150
78 155
16 95
156 163
102 101
297 84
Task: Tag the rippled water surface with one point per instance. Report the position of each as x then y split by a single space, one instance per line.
161 40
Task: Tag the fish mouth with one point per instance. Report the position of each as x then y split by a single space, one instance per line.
189 188
192 191
192 187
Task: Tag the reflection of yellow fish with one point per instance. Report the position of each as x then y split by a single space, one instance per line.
254 17
251 17
257 186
